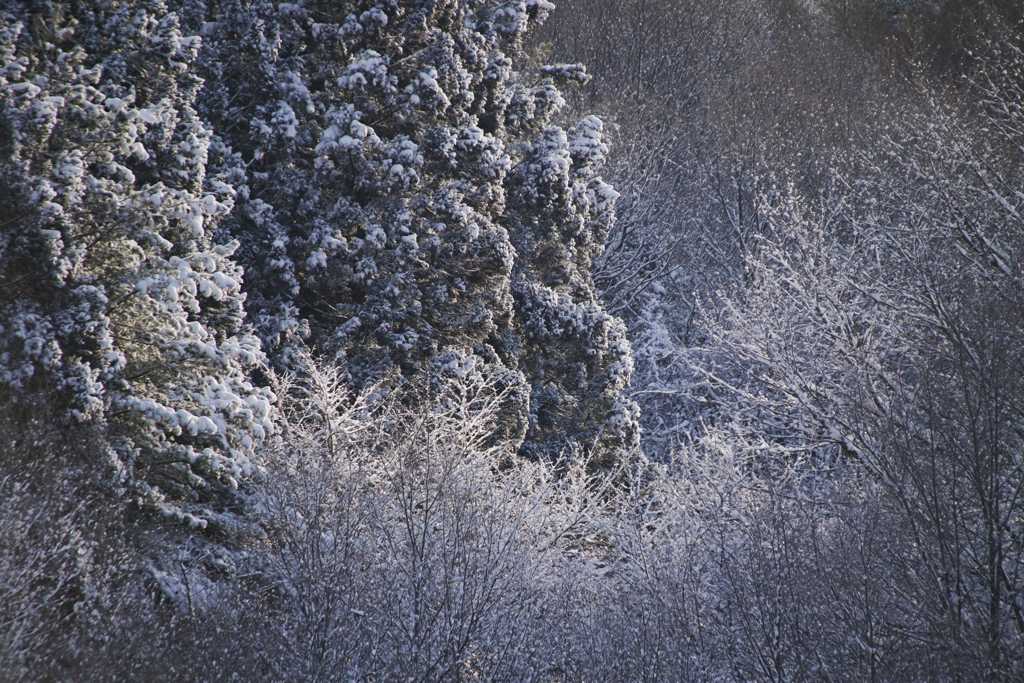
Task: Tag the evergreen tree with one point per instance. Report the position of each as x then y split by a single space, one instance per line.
576 355
405 204
116 300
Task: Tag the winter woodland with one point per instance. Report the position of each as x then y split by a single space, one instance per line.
482 340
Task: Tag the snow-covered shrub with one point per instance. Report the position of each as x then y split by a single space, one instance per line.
76 595
405 544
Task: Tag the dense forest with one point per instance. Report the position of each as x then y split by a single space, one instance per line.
452 340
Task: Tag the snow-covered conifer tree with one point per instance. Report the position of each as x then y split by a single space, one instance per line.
396 174
116 300
576 356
